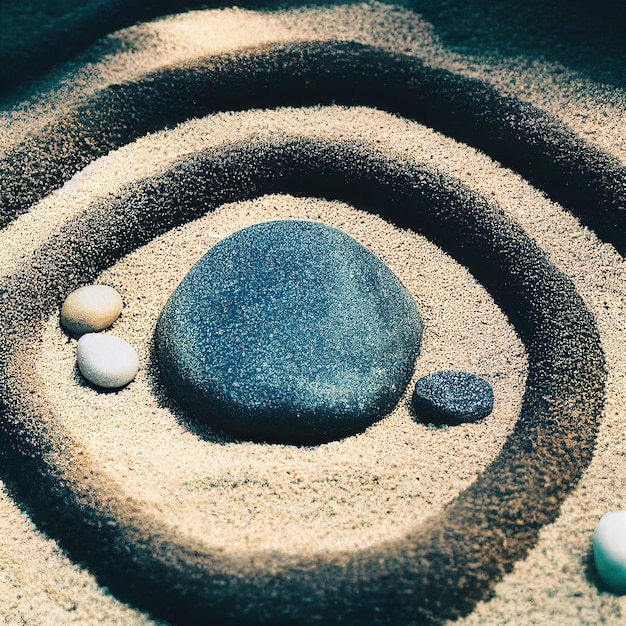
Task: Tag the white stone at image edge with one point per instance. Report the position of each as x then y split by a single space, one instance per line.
106 361
609 550
90 308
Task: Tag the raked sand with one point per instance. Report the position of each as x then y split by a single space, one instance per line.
378 485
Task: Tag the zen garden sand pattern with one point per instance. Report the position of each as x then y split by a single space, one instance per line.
481 172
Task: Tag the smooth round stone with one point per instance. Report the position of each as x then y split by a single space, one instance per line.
90 309
290 332
609 550
106 361
451 397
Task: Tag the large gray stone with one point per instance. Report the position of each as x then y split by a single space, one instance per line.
290 332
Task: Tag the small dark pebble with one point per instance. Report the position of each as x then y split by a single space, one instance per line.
451 397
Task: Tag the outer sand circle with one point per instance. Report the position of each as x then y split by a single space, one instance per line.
552 584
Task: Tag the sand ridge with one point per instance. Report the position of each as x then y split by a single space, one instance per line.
596 269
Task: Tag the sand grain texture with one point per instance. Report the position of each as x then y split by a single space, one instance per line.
359 493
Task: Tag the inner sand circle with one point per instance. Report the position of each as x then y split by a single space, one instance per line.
347 494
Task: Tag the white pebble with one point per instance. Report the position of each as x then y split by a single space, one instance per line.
90 309
609 550
106 361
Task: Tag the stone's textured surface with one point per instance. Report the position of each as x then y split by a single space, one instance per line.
609 550
288 331
451 397
90 309
106 361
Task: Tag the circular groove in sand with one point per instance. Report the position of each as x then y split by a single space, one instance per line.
347 495
542 149
565 383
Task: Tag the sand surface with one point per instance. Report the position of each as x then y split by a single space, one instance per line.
366 489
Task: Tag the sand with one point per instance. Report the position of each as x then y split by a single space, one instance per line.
365 490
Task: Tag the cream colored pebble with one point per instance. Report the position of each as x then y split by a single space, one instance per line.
90 309
106 361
